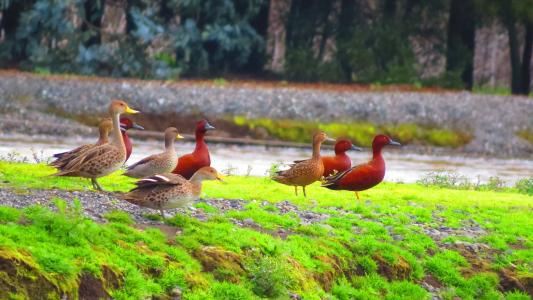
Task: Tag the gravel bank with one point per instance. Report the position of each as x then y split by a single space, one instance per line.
493 120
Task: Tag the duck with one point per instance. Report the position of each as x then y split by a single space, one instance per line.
62 159
305 172
188 164
104 159
365 176
157 163
168 190
340 161
125 125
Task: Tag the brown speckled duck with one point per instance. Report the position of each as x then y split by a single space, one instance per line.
62 159
104 159
158 163
305 172
167 191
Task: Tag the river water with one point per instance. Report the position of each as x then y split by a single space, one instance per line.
257 160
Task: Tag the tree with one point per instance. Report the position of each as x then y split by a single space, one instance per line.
517 17
278 15
461 41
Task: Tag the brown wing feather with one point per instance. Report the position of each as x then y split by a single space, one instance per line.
159 180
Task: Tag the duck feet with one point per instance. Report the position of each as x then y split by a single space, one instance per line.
296 190
303 187
96 185
357 195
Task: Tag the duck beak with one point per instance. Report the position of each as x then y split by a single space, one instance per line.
356 148
394 143
220 177
179 137
129 110
137 126
209 126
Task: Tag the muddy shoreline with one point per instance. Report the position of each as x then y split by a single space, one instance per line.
61 106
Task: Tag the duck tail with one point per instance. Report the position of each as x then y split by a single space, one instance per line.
331 182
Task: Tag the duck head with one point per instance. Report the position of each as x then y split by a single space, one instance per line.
204 126
344 145
207 173
381 141
172 133
118 107
127 123
321 137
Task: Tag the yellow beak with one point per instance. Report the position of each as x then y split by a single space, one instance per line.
131 111
179 136
220 177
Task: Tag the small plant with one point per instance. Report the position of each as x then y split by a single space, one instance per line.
273 170
270 277
445 179
117 216
525 186
229 170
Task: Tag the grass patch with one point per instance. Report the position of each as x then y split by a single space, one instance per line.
375 248
361 133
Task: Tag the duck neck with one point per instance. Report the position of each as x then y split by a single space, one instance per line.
341 154
169 144
117 133
200 143
104 137
196 181
316 150
376 154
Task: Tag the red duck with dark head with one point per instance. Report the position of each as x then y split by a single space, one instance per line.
341 161
125 125
190 163
365 176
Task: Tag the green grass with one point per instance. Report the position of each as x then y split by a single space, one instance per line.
374 248
361 133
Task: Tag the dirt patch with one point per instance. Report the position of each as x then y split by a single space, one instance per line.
20 276
91 288
328 276
397 270
224 264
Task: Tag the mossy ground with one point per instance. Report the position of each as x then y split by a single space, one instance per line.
378 247
360 133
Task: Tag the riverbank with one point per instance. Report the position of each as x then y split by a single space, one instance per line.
252 238
474 124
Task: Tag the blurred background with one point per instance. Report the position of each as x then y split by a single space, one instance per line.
450 79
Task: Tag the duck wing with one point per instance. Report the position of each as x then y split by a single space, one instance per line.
144 161
165 179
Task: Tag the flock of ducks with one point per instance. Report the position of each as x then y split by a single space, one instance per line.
168 182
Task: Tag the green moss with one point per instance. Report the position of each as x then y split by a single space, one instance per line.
352 253
361 133
526 135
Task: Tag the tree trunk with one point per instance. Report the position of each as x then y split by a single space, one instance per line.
113 20
461 40
2 32
525 86
515 58
278 15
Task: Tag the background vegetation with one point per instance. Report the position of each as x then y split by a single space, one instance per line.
366 41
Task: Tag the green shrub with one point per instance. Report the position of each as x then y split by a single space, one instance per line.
525 186
270 276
